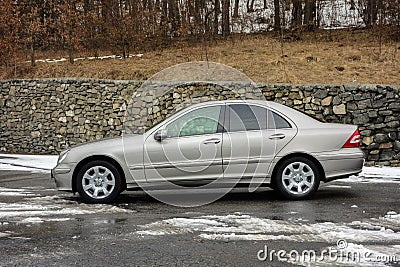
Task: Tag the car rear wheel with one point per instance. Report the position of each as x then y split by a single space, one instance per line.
297 178
98 182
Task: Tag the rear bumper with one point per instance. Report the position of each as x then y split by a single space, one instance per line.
342 163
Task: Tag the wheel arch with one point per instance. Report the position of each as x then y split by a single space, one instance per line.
93 158
298 154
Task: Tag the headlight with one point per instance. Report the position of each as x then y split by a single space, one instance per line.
62 156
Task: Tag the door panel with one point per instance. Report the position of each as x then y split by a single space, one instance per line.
247 154
253 138
191 151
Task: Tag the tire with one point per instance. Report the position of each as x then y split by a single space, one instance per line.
297 178
98 182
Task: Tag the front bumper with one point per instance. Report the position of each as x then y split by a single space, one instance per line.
62 175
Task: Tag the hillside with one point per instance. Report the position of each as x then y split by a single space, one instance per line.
334 56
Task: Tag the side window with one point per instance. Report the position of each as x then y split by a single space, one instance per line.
199 121
276 121
244 117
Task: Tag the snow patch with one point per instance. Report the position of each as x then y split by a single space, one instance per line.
18 210
246 227
53 60
338 186
48 208
32 220
390 172
18 162
41 220
4 234
391 218
7 192
376 175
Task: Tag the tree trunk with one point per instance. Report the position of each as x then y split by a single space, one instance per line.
71 54
236 9
296 13
371 12
225 18
171 15
197 15
32 54
249 5
163 21
309 14
217 11
277 16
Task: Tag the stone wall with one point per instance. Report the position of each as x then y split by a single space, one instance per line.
47 115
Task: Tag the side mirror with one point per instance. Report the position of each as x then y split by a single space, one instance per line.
160 135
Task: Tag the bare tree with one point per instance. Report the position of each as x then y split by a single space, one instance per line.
9 39
310 10
297 13
33 26
250 5
69 26
277 16
225 18
371 12
217 12
236 9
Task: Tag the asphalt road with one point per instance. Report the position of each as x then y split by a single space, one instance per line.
40 226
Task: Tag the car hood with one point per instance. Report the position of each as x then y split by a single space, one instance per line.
112 147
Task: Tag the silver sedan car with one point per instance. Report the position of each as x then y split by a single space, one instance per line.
227 143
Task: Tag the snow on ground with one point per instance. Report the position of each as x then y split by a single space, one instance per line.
28 211
385 172
7 192
246 227
243 227
4 234
36 208
337 14
376 175
54 60
35 163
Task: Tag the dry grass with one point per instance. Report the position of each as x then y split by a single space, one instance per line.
339 57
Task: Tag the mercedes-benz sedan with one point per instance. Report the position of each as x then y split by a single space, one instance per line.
227 143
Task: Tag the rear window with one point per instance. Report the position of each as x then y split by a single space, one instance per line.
247 118
276 121
242 117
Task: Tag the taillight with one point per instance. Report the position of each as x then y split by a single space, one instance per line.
353 141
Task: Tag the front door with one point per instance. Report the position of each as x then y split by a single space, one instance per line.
191 151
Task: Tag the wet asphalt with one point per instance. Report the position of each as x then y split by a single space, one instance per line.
106 237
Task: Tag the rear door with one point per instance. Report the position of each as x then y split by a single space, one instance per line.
252 138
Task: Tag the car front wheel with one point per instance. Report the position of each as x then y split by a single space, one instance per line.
297 178
98 182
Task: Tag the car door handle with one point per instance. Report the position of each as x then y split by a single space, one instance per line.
277 136
212 141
